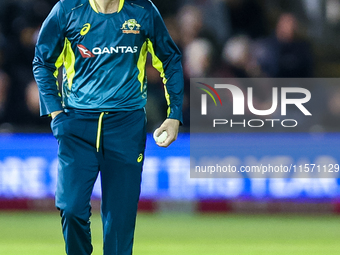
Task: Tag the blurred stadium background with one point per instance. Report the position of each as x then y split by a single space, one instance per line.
218 38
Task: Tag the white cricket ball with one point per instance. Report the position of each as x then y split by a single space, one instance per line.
161 138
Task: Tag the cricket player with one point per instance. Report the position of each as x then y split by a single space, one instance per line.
99 118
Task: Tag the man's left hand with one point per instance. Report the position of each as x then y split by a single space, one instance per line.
171 127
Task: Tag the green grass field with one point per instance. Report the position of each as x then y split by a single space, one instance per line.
39 233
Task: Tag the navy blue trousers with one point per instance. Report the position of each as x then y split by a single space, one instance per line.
113 145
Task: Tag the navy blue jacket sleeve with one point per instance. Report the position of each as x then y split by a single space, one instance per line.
45 64
166 58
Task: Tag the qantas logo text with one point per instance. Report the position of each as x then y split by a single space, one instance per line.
86 53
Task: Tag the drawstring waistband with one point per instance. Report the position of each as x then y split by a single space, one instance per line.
99 131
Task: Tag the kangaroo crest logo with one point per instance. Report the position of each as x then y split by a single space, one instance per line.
131 26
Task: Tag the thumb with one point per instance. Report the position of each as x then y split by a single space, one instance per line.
157 132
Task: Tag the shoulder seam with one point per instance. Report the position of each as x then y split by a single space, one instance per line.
77 7
138 5
69 9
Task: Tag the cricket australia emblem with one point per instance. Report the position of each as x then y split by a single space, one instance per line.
131 26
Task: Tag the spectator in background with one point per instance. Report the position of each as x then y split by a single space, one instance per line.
21 22
216 17
246 17
190 24
198 58
228 18
32 98
4 81
4 86
197 63
237 57
331 117
286 53
199 48
167 8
